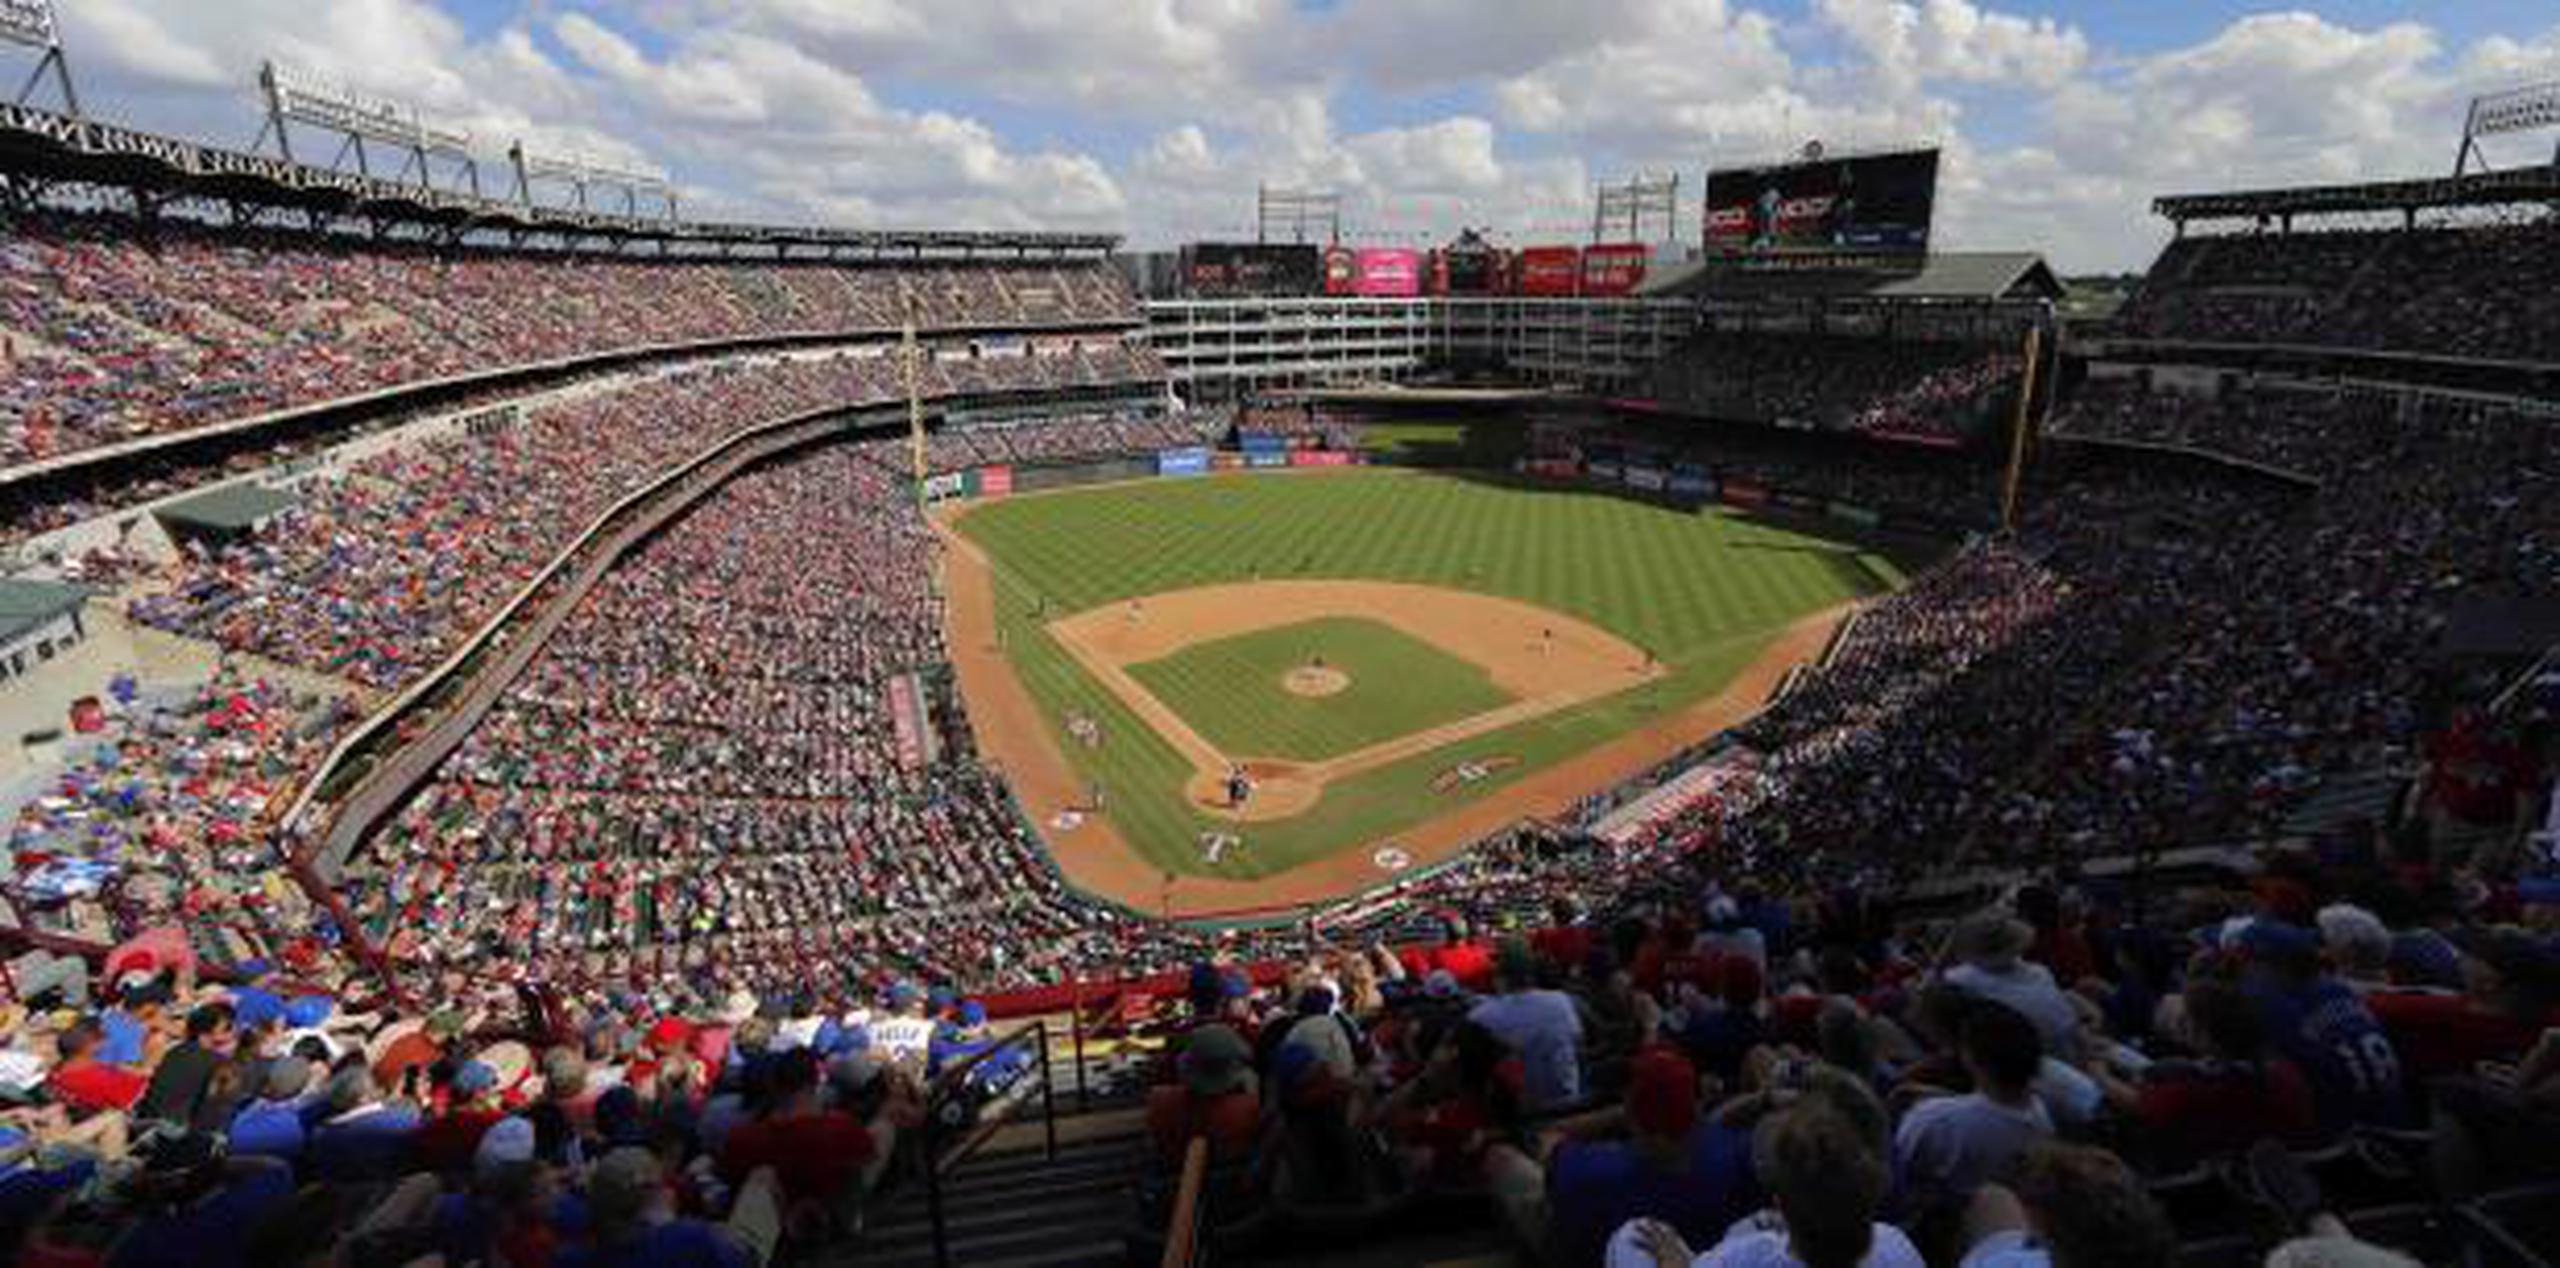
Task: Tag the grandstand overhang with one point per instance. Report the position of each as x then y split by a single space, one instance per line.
2514 187
1947 277
48 147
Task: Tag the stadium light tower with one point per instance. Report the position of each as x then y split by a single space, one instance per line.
30 24
1298 210
1635 204
2528 109
294 96
583 175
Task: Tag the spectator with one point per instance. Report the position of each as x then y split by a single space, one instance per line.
1949 1146
1542 1026
2073 1207
1826 1184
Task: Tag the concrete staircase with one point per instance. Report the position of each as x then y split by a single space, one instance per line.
1015 1207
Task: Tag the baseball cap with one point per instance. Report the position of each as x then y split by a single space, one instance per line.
254 1009
474 1078
620 1189
287 1078
2279 942
1215 1060
508 1141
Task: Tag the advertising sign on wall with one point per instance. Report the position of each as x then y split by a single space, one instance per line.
1189 461
1389 271
1341 270
1554 271
994 482
1221 270
1742 494
1319 458
1266 458
1652 479
1614 268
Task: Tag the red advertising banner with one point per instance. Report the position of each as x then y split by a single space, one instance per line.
1615 268
995 482
1548 271
1741 494
1341 270
1552 468
1319 458
1390 271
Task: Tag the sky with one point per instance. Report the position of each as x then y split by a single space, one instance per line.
1157 119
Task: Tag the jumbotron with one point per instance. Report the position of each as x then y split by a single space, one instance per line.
548 729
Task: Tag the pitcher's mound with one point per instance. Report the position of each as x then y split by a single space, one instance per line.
1311 680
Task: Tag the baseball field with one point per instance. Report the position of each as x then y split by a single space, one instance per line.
1396 662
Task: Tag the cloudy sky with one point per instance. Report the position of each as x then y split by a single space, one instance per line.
1156 118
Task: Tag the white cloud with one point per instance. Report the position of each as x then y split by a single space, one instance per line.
1915 41
1161 116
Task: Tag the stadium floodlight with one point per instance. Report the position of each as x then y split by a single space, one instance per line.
1299 210
1635 203
582 174
2527 109
31 24
296 96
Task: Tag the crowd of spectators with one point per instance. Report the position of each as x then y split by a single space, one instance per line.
2486 291
703 777
1746 1070
1067 437
380 569
1929 389
158 813
107 334
1300 423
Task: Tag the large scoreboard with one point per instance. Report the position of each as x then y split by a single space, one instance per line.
1866 204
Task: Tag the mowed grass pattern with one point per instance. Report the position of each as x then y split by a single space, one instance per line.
1702 591
1232 691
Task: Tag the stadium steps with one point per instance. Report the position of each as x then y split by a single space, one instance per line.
2341 801
1015 1207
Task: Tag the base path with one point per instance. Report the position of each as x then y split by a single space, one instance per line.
1543 659
1012 734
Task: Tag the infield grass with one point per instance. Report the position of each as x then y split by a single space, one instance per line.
1231 690
1702 591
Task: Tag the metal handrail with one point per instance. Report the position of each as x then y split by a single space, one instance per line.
1182 1232
936 1163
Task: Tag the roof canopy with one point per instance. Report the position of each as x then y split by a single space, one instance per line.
45 145
26 605
228 511
2513 187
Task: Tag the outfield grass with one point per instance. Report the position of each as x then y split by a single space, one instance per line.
1231 689
1703 592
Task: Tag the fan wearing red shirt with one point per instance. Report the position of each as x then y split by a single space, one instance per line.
816 1154
446 1142
1469 962
1565 944
2511 985
2234 1094
87 1084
